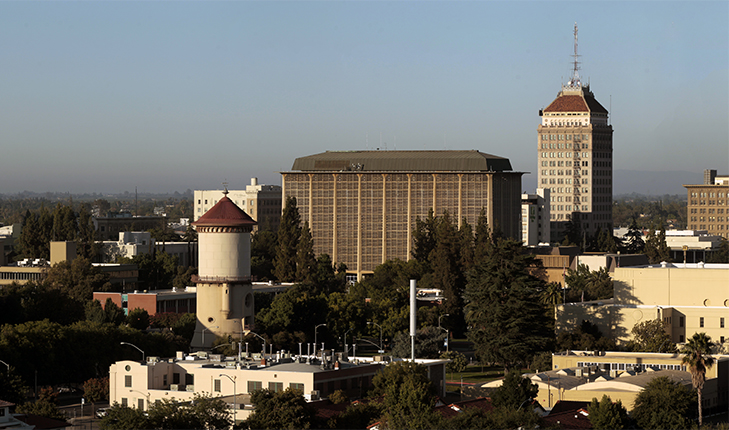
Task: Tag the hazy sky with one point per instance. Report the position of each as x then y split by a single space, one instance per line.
165 96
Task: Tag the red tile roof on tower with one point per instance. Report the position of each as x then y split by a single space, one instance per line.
225 213
571 103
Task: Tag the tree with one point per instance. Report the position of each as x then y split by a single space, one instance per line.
482 238
409 396
722 254
634 243
123 418
96 389
138 318
203 412
45 406
696 356
283 410
289 231
263 253
78 278
457 363
585 284
606 415
655 246
305 261
586 337
428 342
424 237
651 336
447 275
663 404
514 391
12 388
508 324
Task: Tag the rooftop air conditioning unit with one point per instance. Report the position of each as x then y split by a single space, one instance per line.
315 395
174 387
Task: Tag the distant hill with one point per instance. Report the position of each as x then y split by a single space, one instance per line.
653 183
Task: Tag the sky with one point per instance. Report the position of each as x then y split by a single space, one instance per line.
166 96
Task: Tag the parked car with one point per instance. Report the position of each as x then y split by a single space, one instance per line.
101 412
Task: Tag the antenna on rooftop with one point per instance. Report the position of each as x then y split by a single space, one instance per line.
575 81
225 187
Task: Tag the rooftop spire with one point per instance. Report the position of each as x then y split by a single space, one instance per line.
575 80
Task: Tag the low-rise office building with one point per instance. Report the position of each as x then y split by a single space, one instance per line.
137 384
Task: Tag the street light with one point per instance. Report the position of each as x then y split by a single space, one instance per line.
135 346
370 322
6 365
446 330
444 315
264 341
235 404
144 394
315 329
346 349
203 334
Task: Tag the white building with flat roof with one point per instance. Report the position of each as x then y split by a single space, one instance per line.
261 202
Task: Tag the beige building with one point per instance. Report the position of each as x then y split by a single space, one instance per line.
575 150
137 384
689 298
584 375
362 206
535 219
260 202
708 205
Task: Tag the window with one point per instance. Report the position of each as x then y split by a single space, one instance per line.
140 404
254 386
127 380
275 387
721 322
189 379
164 380
296 386
175 378
701 321
217 385
124 401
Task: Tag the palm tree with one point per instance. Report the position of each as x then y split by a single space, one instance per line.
696 357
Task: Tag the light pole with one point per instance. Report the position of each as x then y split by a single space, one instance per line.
371 322
346 348
262 339
235 404
203 334
144 394
446 330
444 315
135 346
315 329
6 365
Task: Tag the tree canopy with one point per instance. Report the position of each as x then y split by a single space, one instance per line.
664 404
508 321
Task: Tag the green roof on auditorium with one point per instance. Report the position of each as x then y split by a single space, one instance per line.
402 161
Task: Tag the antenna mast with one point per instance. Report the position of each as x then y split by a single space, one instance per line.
575 81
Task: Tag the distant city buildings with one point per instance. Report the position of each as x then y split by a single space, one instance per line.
361 206
108 228
261 202
575 150
707 207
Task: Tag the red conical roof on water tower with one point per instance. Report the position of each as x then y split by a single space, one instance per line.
225 213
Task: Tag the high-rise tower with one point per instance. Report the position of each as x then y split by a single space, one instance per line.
224 292
575 146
